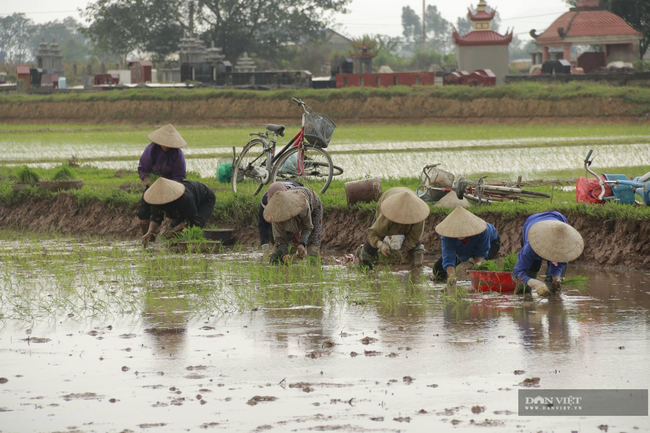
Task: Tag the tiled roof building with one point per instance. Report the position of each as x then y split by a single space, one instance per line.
589 24
483 48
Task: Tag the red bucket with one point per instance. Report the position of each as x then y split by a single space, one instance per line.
491 281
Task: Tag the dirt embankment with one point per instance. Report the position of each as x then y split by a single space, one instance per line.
621 243
395 109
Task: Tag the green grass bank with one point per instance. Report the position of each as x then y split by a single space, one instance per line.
394 104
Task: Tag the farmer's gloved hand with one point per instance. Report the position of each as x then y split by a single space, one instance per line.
451 280
384 248
264 247
539 287
286 259
302 251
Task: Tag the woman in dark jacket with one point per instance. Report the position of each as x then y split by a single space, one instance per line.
186 204
164 158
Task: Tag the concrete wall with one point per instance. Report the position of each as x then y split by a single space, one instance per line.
623 53
385 80
495 58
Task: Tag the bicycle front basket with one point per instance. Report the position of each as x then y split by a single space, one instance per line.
318 129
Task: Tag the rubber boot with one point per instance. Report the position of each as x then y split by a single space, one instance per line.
144 227
365 258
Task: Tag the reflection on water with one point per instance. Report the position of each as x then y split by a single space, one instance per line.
226 343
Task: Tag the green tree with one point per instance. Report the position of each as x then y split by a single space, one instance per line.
67 32
123 26
411 25
265 27
438 29
15 35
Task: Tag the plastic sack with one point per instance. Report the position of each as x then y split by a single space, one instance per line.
588 190
290 166
224 172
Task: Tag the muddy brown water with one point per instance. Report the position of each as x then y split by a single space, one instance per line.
436 365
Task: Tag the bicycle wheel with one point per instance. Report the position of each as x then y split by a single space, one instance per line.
249 171
318 168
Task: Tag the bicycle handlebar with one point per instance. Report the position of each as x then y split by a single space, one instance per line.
601 183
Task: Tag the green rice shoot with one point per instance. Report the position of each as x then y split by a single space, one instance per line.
578 282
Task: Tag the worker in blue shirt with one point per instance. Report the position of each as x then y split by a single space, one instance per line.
464 237
545 236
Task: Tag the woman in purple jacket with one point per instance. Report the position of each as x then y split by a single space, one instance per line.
163 158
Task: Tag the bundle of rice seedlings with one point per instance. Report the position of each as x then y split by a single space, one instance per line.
509 262
579 282
487 265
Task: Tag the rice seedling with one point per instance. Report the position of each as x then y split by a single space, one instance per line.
98 278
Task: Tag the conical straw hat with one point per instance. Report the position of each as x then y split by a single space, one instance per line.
163 191
460 224
555 241
451 201
284 205
405 208
167 136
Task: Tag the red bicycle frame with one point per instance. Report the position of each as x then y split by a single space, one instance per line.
296 141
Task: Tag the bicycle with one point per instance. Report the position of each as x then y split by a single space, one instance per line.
436 183
303 159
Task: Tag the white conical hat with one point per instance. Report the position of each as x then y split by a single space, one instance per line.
284 205
451 201
405 208
555 241
167 136
163 191
460 224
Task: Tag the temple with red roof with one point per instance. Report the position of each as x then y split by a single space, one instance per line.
590 25
483 48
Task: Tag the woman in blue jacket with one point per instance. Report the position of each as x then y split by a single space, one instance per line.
464 236
545 236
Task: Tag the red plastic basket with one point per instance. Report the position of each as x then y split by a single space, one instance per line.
491 281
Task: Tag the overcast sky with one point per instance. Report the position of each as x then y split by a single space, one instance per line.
366 16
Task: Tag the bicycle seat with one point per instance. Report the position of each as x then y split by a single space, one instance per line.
276 128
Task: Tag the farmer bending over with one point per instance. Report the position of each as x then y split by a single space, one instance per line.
298 210
546 236
464 236
185 203
164 158
399 212
264 227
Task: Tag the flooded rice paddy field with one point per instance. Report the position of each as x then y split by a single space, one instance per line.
100 336
507 163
